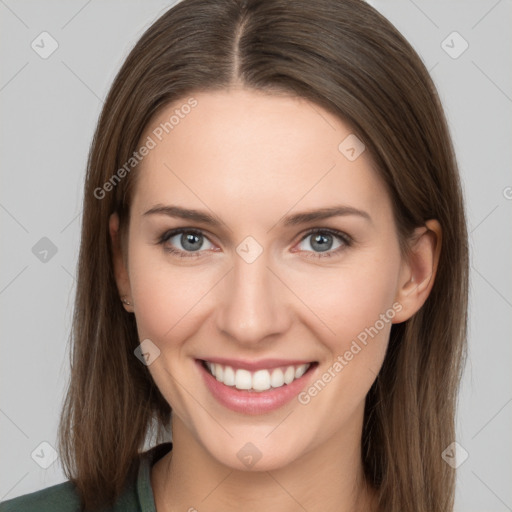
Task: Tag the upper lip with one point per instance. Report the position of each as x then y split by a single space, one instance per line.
261 364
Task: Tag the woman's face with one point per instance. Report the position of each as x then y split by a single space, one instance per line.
256 284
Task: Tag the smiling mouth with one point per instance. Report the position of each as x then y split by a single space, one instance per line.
259 380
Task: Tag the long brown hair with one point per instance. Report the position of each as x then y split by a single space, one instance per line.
347 58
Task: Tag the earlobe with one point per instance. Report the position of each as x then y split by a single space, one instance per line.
118 261
418 272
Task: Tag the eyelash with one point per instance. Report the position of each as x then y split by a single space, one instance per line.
346 240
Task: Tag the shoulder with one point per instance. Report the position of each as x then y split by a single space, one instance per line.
137 494
57 498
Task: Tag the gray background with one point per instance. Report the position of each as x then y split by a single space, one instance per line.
49 110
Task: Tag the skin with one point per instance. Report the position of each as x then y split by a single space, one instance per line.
251 158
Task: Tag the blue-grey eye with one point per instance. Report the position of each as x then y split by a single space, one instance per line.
189 241
320 241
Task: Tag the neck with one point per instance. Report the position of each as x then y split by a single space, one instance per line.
327 478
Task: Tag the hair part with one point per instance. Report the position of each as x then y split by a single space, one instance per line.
348 59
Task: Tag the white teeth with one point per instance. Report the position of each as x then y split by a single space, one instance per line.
289 374
277 378
219 372
229 376
261 380
243 379
300 371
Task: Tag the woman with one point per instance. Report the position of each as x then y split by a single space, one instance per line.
274 248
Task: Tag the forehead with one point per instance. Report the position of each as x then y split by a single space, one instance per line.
240 150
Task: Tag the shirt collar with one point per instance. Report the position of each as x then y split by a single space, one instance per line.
144 489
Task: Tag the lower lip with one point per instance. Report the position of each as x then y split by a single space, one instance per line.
254 402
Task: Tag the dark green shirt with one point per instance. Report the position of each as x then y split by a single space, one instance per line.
64 498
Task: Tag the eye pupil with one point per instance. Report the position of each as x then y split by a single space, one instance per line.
188 240
324 242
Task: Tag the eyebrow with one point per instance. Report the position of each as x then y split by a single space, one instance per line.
291 220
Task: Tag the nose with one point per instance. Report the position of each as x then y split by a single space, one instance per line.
253 304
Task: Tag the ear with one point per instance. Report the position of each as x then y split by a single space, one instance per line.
419 271
118 260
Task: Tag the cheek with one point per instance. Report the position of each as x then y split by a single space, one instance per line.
167 297
357 304
350 299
